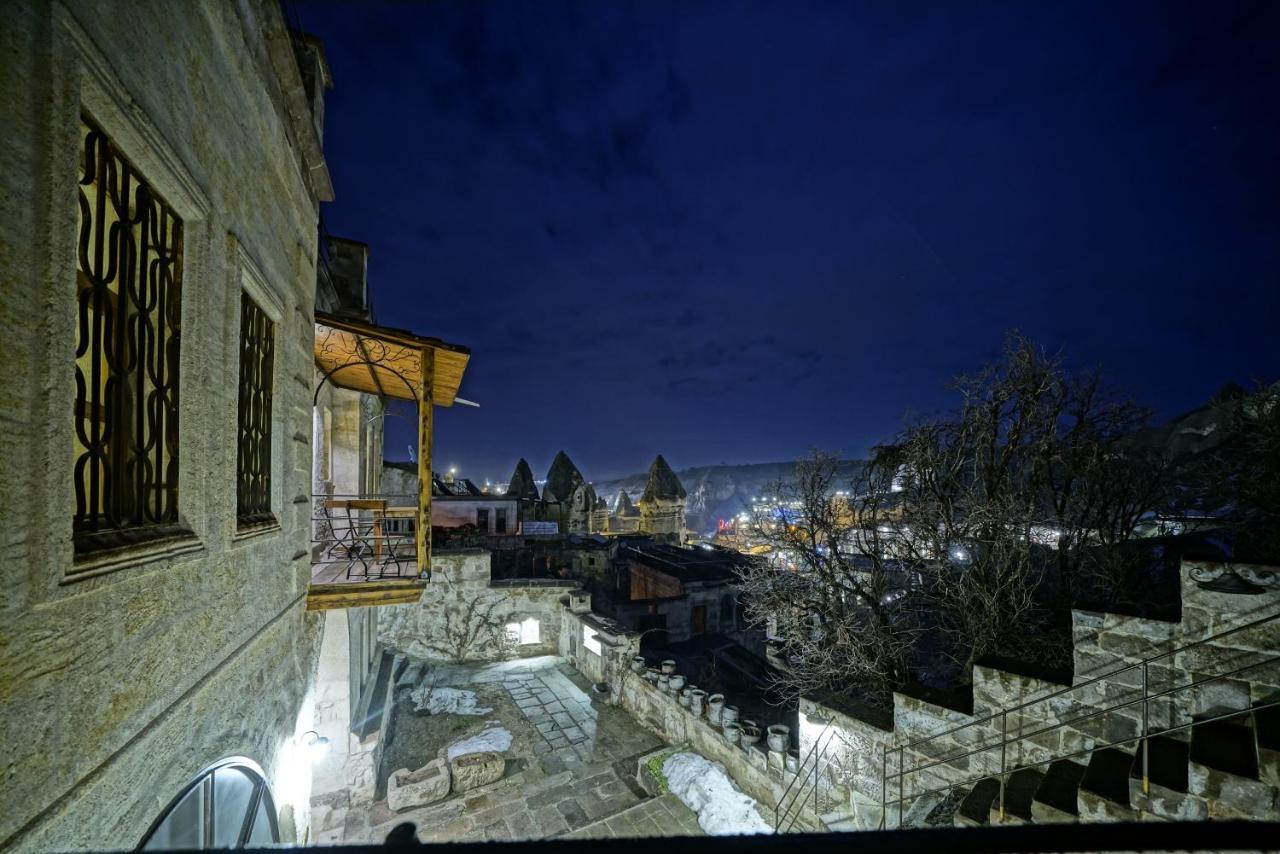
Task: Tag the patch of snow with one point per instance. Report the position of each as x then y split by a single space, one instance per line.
453 701
495 738
705 788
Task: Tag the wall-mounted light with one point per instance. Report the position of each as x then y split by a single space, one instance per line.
316 744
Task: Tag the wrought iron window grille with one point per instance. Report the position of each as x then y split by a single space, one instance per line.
253 463
129 260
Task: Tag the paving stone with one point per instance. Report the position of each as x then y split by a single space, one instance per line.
573 813
549 820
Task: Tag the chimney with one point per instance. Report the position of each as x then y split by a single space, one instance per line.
349 272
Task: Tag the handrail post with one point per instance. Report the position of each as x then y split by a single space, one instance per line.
1146 780
1004 740
902 795
884 784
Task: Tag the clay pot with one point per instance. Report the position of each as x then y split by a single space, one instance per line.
715 705
676 682
697 698
638 664
732 732
669 666
779 736
663 681
684 696
729 715
750 733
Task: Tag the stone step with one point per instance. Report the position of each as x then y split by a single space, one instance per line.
1056 798
1019 791
1104 790
1266 724
1224 770
1167 795
1166 763
975 809
1225 746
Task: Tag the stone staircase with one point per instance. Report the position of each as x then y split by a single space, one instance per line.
1190 695
1229 769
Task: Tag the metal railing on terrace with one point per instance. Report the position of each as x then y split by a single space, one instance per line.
363 537
1139 700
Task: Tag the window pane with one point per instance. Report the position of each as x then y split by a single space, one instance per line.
232 792
183 828
263 832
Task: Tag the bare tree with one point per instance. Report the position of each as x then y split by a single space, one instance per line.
832 601
474 627
1001 501
1236 483
963 534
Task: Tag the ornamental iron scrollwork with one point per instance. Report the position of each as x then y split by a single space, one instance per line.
129 289
253 464
346 351
1239 580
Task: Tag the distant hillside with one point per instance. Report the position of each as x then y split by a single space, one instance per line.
716 492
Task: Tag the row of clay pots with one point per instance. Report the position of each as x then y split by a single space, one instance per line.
735 731
695 699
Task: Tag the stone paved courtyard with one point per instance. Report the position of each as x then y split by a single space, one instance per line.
570 770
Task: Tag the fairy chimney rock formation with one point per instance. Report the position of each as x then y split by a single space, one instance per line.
522 485
662 505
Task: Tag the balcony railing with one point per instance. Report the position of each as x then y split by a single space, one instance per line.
363 538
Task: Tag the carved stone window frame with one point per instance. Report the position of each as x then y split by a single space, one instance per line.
90 87
256 287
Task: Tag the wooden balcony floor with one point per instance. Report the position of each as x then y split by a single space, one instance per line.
331 588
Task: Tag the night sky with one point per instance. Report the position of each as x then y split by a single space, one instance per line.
728 232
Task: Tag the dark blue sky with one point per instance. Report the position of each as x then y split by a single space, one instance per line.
728 232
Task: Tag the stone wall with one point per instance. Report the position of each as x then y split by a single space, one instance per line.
462 614
120 680
756 770
1106 646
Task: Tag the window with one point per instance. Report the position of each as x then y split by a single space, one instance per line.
590 640
726 614
525 631
253 463
500 520
482 519
227 806
128 337
698 619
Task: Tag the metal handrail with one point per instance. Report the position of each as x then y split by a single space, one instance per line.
1146 698
902 798
1094 679
1145 734
782 811
353 536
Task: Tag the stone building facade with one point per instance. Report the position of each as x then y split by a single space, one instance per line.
136 656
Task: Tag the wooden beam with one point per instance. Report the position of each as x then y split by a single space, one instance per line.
425 406
327 597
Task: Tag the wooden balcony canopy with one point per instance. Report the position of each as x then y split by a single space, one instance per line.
388 362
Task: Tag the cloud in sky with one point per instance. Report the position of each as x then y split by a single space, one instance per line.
735 230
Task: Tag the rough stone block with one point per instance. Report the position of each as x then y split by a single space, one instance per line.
471 770
407 789
1167 803
1230 795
